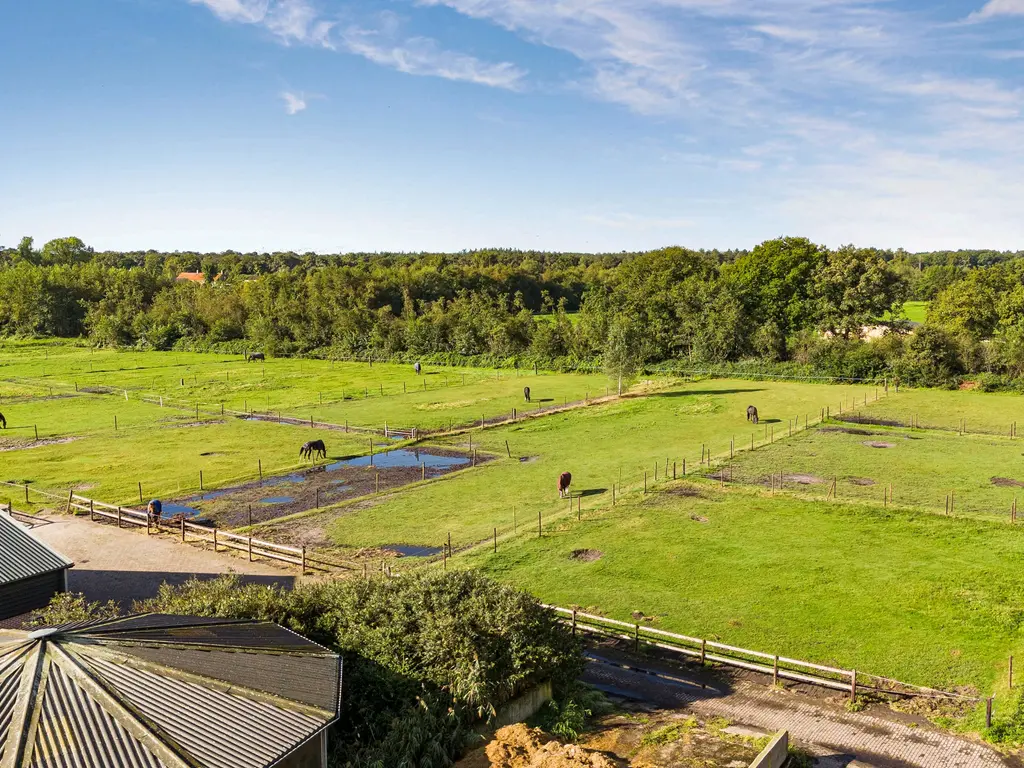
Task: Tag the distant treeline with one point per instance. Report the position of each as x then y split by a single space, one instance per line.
787 305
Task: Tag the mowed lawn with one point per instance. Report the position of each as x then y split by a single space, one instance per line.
65 415
982 473
918 597
989 412
601 445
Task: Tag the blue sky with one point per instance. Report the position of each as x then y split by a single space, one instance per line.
594 125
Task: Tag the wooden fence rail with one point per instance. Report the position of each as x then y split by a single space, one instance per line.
779 667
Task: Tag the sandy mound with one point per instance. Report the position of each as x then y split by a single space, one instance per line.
801 479
4 446
586 555
878 444
517 746
862 481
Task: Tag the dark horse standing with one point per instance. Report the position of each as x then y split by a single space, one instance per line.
252 357
752 414
3 422
563 484
526 393
314 448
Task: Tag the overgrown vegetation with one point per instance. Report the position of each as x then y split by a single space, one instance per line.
787 305
425 656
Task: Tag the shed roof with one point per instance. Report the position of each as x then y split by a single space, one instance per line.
22 555
159 691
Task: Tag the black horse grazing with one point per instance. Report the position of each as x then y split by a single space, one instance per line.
752 414
563 484
526 393
418 368
314 448
3 422
252 357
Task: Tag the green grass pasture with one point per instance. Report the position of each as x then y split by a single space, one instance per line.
989 412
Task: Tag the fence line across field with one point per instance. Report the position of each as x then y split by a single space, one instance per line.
781 667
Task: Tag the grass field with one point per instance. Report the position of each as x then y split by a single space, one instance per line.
903 591
916 311
982 473
919 597
986 412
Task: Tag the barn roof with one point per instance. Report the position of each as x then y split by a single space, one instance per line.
22 555
160 691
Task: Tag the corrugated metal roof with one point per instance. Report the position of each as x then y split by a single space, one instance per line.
107 700
22 555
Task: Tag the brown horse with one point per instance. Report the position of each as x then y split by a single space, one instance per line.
752 414
252 357
526 393
563 484
3 422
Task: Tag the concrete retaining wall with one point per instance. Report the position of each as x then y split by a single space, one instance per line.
523 707
775 754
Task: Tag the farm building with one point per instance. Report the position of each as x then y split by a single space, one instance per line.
159 691
30 572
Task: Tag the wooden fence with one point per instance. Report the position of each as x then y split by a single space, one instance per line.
779 667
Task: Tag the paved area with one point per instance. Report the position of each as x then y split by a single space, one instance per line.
125 565
838 738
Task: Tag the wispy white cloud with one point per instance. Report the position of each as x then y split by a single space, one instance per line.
383 42
995 8
293 102
416 55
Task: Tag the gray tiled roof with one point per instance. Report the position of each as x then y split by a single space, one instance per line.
162 692
22 555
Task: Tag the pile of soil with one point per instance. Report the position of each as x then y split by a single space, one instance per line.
517 746
13 446
1007 482
586 555
878 444
801 479
862 481
846 430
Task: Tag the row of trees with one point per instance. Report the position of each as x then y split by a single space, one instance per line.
786 302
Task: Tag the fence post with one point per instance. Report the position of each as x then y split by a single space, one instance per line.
215 539
201 488
71 494
673 470
853 685
645 482
775 672
119 517
183 527
508 450
988 712
140 492
636 638
303 558
250 547
703 652
574 622
495 540
92 510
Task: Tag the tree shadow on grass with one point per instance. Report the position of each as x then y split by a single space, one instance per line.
592 492
698 392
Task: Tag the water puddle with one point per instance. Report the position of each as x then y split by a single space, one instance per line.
278 500
409 550
401 458
170 509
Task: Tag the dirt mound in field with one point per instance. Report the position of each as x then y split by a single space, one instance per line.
802 479
683 490
1007 482
878 444
517 746
862 481
698 518
586 555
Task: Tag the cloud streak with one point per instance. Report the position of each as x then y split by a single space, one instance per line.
293 102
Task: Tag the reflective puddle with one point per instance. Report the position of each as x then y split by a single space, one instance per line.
401 458
278 500
410 550
170 509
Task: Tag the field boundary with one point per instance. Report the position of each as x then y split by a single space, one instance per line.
133 518
779 667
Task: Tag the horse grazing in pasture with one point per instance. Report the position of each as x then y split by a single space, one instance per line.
752 414
526 393
563 484
3 422
154 509
252 357
418 368
314 448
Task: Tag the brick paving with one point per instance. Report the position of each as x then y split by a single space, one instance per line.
837 738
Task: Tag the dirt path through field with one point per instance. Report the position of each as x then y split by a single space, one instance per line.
123 565
838 738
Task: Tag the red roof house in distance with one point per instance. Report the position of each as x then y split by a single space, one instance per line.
194 277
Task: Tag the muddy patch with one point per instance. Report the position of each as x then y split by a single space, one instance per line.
1007 482
4 446
528 459
803 479
871 421
203 423
586 555
878 444
698 518
683 490
337 481
862 481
